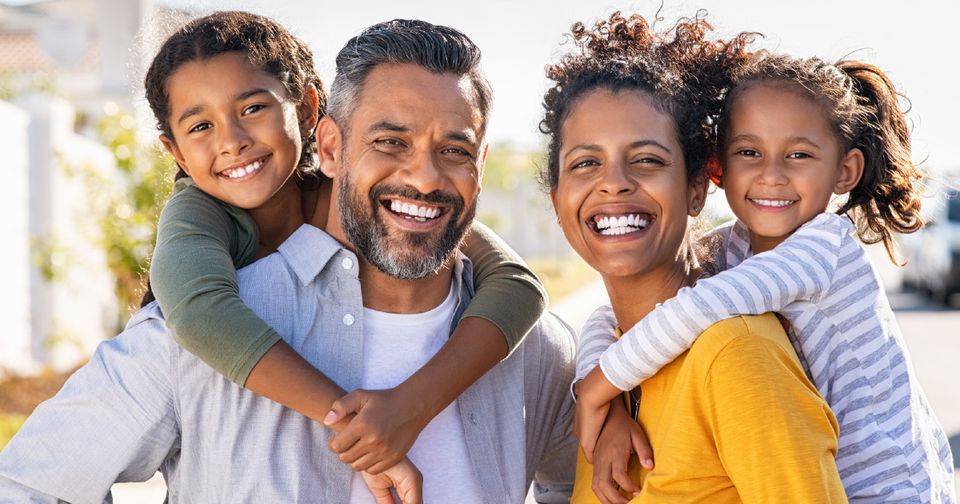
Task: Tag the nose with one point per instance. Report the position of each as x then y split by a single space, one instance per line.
773 172
615 180
234 138
422 172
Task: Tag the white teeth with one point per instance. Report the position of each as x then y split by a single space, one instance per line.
620 225
243 170
773 203
417 213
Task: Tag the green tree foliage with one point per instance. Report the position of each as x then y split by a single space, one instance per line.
508 167
128 216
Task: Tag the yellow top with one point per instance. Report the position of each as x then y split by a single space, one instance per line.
734 419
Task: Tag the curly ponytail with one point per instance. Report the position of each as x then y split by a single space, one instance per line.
887 199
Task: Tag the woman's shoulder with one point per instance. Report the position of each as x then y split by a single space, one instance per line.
743 338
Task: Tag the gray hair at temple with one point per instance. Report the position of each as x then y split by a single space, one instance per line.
437 48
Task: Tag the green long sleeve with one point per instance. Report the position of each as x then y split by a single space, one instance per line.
201 242
509 295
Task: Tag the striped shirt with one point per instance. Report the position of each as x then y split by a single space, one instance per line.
891 448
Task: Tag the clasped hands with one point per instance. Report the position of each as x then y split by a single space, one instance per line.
608 437
376 429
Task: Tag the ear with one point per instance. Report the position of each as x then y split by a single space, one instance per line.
329 142
851 170
307 111
697 195
553 198
482 165
174 151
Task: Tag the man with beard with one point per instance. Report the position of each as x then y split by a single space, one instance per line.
368 303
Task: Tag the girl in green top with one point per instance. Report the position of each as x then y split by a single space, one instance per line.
236 98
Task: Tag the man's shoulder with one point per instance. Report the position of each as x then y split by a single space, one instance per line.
553 335
549 351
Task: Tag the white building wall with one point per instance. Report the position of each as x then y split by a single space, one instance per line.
15 254
76 309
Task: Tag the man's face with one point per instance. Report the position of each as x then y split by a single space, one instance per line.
409 169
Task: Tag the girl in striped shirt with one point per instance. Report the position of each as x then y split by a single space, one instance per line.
793 132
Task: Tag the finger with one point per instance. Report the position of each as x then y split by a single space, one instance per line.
603 486
382 496
359 457
350 403
411 495
619 474
641 446
410 489
384 464
344 440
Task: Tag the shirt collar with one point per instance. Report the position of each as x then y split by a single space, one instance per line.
308 250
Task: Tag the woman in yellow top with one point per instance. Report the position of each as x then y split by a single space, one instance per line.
734 419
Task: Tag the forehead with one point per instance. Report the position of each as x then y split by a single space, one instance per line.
781 102
219 77
604 116
418 99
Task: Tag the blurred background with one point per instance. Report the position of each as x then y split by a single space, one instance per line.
84 178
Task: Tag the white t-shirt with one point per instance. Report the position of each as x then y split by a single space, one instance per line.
394 347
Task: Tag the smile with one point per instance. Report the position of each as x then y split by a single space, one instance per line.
615 225
418 213
244 171
772 203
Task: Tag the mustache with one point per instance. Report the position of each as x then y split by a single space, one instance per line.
436 197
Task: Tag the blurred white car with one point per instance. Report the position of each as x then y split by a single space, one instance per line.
934 251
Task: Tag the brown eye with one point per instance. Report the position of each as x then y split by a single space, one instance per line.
200 127
254 108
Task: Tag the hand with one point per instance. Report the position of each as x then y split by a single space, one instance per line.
593 403
380 435
620 437
404 477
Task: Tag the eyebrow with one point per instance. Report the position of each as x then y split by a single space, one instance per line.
458 136
633 145
196 109
755 138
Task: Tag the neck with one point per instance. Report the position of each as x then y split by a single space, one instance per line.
634 297
385 293
278 218
759 244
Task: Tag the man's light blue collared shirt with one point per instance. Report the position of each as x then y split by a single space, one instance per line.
144 403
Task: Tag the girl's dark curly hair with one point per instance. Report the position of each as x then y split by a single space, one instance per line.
862 105
268 45
680 69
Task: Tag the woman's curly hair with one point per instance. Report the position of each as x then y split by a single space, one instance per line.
268 45
682 71
863 108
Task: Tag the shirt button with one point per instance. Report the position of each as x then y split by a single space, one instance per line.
347 263
348 320
473 418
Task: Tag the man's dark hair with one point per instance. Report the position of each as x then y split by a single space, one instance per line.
439 49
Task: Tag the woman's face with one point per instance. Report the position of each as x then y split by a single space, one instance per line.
622 195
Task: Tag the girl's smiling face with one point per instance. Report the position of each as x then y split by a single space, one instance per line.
782 161
235 131
622 195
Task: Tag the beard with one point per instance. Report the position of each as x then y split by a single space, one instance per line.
406 255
